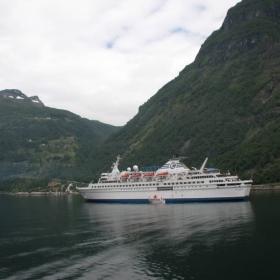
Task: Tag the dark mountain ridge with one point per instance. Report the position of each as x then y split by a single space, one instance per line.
226 102
15 95
38 141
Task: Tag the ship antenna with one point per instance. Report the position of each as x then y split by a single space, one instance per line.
203 165
115 164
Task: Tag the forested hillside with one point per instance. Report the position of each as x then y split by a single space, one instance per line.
227 102
37 141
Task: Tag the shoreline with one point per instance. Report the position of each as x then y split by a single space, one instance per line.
253 188
265 188
38 193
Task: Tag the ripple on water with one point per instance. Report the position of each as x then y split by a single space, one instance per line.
120 241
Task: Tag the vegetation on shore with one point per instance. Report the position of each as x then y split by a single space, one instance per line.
43 185
271 186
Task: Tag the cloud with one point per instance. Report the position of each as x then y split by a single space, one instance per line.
101 59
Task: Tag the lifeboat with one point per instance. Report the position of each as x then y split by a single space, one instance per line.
136 175
149 174
164 173
125 175
156 200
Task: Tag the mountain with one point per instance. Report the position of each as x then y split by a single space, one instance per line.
38 141
16 96
226 103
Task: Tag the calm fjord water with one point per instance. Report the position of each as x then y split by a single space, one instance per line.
62 237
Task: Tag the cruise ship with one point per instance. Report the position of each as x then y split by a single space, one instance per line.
173 182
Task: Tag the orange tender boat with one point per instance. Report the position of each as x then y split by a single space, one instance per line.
164 173
150 174
156 200
136 175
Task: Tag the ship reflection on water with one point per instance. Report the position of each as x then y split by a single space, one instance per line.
65 238
168 241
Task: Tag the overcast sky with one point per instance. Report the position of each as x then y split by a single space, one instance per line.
101 59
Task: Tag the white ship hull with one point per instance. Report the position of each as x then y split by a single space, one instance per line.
188 194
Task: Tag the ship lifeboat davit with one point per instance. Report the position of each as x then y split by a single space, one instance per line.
149 174
164 173
125 175
136 175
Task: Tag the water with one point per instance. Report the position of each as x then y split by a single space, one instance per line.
62 237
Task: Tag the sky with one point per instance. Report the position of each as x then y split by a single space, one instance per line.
101 59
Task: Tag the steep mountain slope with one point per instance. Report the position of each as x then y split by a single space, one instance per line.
37 141
227 102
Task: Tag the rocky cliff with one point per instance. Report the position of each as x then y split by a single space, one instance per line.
14 95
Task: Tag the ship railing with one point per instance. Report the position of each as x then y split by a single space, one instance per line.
162 178
147 179
174 176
